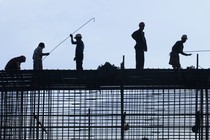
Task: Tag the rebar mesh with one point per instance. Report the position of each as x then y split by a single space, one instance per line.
97 105
96 114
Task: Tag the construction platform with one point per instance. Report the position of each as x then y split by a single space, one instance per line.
109 104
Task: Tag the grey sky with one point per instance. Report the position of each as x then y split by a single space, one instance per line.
25 23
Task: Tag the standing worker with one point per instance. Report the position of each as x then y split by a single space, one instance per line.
176 50
79 50
14 63
37 56
141 45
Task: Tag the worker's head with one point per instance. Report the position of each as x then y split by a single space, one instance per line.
41 44
184 38
141 25
78 36
22 58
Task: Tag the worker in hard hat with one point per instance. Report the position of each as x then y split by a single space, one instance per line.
79 50
140 46
176 50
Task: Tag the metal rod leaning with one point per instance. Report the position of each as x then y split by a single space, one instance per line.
69 36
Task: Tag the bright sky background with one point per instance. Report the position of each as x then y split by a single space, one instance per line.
26 23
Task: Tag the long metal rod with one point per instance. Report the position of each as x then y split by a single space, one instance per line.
199 51
58 45
69 36
84 25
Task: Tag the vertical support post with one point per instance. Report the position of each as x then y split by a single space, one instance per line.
123 63
197 61
122 98
43 116
1 106
21 116
196 96
89 124
201 115
37 121
5 114
207 114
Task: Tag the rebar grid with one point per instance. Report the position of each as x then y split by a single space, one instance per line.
96 114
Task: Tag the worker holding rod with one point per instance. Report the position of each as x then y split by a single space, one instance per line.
79 50
176 50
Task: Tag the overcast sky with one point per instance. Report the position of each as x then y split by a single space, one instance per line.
26 23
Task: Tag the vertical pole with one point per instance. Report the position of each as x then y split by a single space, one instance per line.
196 96
123 63
197 61
21 116
1 130
207 114
122 98
5 114
89 124
201 115
43 115
37 121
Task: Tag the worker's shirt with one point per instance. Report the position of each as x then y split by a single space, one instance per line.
79 48
178 47
139 37
13 64
37 56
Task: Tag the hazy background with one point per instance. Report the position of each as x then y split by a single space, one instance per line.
26 23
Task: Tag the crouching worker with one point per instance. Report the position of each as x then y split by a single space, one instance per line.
14 63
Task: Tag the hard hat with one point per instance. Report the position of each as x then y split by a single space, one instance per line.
184 36
78 36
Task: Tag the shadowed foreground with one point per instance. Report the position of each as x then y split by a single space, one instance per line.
105 104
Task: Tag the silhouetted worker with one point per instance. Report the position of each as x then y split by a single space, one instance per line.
141 45
176 50
37 56
14 63
79 50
